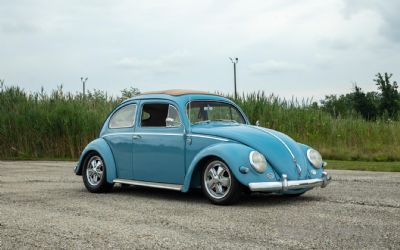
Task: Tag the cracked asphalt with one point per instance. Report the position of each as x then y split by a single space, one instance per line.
44 205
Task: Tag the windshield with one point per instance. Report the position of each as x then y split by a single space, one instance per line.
213 111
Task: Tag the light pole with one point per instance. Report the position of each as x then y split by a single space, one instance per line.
83 80
234 61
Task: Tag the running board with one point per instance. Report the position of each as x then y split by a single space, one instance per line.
150 184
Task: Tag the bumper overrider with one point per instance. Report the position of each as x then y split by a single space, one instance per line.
285 185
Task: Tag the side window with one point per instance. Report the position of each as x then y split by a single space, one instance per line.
124 117
173 119
159 115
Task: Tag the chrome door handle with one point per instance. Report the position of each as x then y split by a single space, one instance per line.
135 137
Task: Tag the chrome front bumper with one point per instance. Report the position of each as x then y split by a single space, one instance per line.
285 185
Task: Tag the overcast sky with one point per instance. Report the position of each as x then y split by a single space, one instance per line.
290 48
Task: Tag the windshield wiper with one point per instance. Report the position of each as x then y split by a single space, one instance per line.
224 120
215 120
201 122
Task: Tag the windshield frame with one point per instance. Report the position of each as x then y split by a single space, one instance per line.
244 117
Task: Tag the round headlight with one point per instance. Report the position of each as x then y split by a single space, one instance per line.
315 158
258 161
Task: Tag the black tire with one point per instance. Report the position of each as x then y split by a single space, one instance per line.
99 183
227 189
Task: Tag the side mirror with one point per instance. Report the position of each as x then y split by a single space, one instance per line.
257 123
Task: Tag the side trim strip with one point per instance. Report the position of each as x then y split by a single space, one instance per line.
168 134
142 133
208 137
121 133
150 184
149 133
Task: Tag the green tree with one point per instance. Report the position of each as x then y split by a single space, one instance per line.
365 104
129 92
390 98
338 106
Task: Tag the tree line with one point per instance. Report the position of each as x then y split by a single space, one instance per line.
381 104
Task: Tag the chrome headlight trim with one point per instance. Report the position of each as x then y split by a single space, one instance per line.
315 158
258 161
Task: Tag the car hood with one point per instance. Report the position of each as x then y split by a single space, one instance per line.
282 152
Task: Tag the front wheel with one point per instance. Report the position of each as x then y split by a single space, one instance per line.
219 184
94 175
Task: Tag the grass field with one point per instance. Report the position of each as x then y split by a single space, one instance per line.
59 125
364 166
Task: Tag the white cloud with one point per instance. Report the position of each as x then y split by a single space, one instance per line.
312 44
172 63
15 27
274 66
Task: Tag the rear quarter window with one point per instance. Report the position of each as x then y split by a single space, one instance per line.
124 117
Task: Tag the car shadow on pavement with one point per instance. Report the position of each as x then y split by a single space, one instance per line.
159 194
196 196
263 199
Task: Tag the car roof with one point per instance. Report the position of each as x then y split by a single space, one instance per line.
178 95
177 92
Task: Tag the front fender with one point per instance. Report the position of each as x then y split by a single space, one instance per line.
234 154
101 147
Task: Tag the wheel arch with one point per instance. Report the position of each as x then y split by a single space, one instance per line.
233 154
100 147
196 175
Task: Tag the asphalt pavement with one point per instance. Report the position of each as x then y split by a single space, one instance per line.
44 205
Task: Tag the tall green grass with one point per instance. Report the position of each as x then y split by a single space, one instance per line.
55 125
58 125
350 138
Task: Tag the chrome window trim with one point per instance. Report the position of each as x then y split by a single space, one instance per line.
179 116
156 101
245 120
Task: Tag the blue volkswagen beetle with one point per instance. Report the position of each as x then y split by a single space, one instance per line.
179 140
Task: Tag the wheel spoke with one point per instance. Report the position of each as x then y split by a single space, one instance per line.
220 170
93 164
210 183
213 172
224 181
219 189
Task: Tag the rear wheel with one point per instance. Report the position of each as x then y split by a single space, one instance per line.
94 175
218 184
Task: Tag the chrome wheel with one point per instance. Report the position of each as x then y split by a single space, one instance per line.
94 170
217 179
